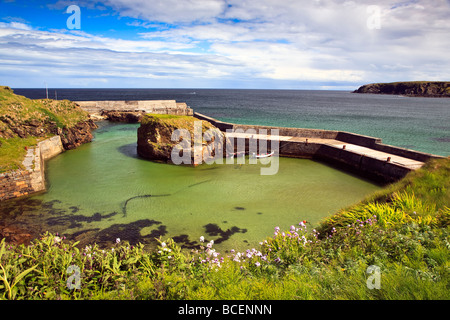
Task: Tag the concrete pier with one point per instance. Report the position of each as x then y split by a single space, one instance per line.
98 109
364 155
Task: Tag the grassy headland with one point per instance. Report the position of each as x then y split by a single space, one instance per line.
402 230
23 122
409 88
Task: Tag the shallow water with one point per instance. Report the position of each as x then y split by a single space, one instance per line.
103 191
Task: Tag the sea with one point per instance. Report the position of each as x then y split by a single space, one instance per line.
421 124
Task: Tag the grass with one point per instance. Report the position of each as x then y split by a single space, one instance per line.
23 121
402 230
64 113
13 151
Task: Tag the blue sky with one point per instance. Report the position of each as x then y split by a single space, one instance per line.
279 44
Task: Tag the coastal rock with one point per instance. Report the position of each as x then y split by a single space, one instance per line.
16 235
77 135
412 88
157 137
123 116
21 117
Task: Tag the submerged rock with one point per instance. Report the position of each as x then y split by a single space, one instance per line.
170 138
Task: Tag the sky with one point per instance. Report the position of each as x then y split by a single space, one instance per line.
248 44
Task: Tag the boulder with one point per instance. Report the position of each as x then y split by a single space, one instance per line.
160 136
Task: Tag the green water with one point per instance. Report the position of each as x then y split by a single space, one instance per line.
103 191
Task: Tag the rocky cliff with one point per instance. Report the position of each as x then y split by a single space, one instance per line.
412 88
21 117
157 138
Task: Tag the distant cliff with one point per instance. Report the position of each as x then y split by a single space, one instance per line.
411 88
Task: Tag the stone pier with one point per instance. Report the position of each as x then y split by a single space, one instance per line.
31 179
364 155
132 110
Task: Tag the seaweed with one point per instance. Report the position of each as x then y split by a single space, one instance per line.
124 207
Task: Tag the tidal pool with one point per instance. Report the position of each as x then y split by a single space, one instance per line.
103 191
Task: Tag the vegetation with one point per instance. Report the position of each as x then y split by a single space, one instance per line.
24 121
13 151
403 231
410 88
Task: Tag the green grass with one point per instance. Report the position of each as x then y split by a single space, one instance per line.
18 112
13 151
402 230
20 109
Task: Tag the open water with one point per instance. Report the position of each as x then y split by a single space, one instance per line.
421 124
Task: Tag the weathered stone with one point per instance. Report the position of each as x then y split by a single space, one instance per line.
409 88
156 132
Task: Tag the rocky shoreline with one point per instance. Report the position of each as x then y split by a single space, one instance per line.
433 89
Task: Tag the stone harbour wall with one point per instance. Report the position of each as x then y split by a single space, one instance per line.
124 110
23 182
319 148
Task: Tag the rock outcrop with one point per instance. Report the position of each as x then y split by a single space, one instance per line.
79 134
22 117
194 140
123 116
410 88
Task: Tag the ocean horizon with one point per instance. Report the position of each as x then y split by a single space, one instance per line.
420 124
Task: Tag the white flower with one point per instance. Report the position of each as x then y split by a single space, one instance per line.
202 239
163 244
118 240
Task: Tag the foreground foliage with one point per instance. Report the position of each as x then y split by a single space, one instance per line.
403 231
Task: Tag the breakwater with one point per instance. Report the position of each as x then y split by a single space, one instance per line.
364 155
132 110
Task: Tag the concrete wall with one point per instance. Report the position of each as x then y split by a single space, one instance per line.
373 168
148 106
20 183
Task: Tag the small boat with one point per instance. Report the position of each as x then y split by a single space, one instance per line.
264 155
235 154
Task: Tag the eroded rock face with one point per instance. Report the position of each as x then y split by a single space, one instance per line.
77 135
123 116
170 138
409 88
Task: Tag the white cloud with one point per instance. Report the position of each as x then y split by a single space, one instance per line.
170 11
320 41
15 25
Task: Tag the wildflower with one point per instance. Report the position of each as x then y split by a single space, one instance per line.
163 244
202 239
56 240
118 240
257 264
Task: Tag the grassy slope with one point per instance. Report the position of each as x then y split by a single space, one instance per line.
441 88
403 230
20 111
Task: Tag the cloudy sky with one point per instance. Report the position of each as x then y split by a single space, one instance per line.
279 44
